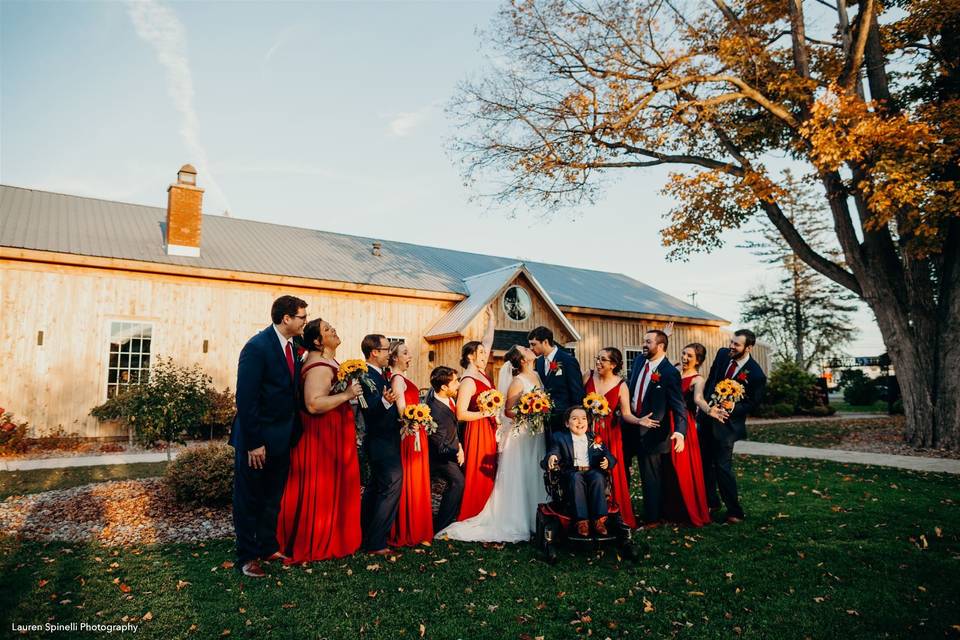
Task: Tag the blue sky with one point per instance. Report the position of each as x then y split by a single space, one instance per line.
313 114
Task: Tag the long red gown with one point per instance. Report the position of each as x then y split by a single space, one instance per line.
609 429
414 523
684 493
480 452
320 509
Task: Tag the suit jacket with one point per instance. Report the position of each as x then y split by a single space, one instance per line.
268 400
561 445
664 400
754 380
382 438
444 442
565 383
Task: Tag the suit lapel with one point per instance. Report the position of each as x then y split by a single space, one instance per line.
272 337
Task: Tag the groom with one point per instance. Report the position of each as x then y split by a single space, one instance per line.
561 377
719 436
268 418
655 397
381 496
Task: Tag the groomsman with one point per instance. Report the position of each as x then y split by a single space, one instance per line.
719 435
268 418
381 497
656 398
561 376
446 452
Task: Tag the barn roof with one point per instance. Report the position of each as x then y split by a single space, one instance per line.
46 221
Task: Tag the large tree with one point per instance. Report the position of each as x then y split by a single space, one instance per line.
807 316
867 104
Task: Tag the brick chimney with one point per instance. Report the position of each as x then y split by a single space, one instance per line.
184 209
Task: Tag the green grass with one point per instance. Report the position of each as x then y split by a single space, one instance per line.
823 434
36 480
828 550
879 406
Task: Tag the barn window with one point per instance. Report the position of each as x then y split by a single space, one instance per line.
391 340
130 352
629 355
517 303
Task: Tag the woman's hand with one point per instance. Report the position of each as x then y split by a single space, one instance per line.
649 423
678 440
355 390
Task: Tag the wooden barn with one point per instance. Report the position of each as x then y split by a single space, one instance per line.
94 290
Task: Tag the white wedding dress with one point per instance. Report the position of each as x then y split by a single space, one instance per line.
510 514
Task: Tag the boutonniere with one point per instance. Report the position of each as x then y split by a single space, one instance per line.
301 354
597 443
655 376
742 376
555 368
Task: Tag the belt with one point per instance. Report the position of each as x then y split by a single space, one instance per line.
587 468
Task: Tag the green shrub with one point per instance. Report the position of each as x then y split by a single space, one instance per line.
791 386
861 391
216 423
783 410
821 410
13 434
202 475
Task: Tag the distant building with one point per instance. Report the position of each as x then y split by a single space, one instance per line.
95 290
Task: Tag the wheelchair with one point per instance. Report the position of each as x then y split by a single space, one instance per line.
556 526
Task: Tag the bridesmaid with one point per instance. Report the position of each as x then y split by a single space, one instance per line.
320 508
684 493
414 523
605 379
480 433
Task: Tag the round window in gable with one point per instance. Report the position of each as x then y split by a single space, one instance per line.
517 304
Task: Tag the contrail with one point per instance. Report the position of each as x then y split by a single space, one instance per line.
158 26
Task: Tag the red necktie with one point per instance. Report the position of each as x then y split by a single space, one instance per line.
731 369
643 378
289 351
453 407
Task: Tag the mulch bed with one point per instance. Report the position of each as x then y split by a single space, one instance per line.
889 440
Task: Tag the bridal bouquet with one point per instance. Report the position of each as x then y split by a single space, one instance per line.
352 370
489 402
532 410
414 418
727 393
596 406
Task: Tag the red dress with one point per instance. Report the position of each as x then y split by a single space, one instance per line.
480 452
609 430
320 508
414 523
684 494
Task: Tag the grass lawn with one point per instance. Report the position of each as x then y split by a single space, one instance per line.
34 481
829 550
879 406
823 434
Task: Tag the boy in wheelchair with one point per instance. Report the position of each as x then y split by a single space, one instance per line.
583 463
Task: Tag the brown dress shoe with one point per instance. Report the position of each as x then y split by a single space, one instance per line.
252 569
583 528
381 552
652 525
600 525
276 555
734 520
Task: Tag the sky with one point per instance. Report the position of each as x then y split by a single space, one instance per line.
320 115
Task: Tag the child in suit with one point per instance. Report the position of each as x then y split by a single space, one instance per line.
446 451
583 461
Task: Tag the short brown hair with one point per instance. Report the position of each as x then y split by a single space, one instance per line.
285 306
440 376
370 342
661 337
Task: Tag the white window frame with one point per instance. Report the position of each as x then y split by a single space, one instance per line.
108 341
626 359
503 306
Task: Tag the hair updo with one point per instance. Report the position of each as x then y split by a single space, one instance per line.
699 351
515 358
311 334
394 353
615 357
469 349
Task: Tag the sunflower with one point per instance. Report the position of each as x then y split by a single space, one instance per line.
418 413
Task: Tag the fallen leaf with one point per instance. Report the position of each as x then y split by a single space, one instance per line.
42 583
147 616
124 587
289 605
373 567
440 561
226 565
938 531
423 630
647 606
372 594
695 593
225 632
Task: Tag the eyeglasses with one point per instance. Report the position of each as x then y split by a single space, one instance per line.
303 317
599 359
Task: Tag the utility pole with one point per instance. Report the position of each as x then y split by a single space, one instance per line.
693 298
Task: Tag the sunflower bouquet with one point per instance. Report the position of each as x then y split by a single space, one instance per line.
532 410
596 405
727 393
349 371
489 402
414 418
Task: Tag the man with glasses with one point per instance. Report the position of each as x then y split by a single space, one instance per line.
268 420
381 497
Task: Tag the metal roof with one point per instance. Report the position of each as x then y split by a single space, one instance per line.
45 221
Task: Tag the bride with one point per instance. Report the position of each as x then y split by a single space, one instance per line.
510 513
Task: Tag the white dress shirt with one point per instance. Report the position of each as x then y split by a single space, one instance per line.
386 404
581 458
742 361
547 359
284 341
641 392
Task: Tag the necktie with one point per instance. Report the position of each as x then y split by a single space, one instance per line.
643 378
289 352
453 407
731 369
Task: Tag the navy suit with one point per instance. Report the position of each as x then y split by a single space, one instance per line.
564 383
268 402
717 438
665 401
381 497
444 445
586 489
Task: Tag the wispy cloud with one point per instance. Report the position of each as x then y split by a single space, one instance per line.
159 26
284 37
403 124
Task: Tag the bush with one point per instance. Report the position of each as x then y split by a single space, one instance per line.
861 391
783 410
791 386
821 410
202 475
216 423
13 434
